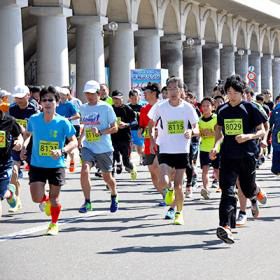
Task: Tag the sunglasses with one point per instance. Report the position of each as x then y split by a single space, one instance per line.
49 100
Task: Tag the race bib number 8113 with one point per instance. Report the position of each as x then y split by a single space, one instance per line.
233 126
176 127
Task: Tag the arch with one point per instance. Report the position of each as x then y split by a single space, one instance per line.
265 45
210 30
117 11
170 20
241 39
146 16
276 51
254 44
86 7
191 29
226 35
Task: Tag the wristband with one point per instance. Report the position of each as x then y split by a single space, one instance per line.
99 131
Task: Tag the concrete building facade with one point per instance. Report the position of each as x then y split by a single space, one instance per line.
201 41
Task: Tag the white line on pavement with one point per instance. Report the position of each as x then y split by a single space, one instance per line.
62 222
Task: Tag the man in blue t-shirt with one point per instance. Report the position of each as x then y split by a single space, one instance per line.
49 131
99 122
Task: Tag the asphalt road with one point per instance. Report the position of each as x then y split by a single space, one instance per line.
136 242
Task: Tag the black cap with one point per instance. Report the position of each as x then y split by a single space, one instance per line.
117 94
153 88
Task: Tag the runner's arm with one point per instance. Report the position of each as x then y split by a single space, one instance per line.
260 132
75 117
112 129
25 144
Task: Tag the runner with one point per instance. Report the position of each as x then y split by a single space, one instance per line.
207 125
136 107
49 131
68 110
21 110
175 115
4 106
8 128
241 123
126 118
105 94
99 122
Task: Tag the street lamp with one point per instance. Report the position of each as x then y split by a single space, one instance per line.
111 28
241 52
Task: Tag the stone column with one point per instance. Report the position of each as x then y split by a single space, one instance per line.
52 45
11 46
211 66
276 76
266 71
89 50
171 47
241 64
227 62
148 48
255 60
121 48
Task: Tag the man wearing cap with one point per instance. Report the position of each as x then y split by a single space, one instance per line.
99 122
21 110
70 112
126 118
4 106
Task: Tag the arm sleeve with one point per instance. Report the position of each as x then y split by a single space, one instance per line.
73 110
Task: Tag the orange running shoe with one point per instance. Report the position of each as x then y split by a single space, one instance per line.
262 197
72 166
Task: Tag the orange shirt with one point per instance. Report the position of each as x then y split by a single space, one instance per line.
4 107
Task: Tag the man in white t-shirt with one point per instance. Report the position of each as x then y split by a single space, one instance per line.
177 120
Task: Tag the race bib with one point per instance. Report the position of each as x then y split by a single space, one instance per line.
45 148
119 120
176 127
146 133
233 126
90 137
2 139
22 122
278 137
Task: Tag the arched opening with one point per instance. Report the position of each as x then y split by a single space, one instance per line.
209 34
170 25
117 11
146 17
191 29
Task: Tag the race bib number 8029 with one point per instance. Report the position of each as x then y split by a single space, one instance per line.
233 126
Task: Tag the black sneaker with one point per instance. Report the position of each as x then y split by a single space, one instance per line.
225 235
119 168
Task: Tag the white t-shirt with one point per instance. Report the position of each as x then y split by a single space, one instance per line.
174 121
77 103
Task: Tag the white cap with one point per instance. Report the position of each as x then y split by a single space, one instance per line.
20 91
64 91
91 86
4 93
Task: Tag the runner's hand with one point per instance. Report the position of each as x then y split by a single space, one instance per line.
188 134
263 144
213 154
23 155
17 145
95 131
122 125
241 138
56 154
152 146
80 143
140 135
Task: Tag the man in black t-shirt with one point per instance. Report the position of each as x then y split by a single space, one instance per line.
10 139
121 140
241 123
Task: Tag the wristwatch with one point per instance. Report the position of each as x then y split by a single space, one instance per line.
62 151
99 131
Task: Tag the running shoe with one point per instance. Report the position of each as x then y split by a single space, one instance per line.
162 204
114 204
52 229
72 166
20 174
12 200
119 168
98 173
194 181
27 167
218 190
225 234
45 207
215 184
262 197
241 220
179 219
133 174
255 209
205 194
169 197
188 193
170 215
85 207
17 207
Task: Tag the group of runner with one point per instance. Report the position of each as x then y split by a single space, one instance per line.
230 132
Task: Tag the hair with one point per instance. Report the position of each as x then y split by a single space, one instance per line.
133 92
209 99
250 91
34 89
154 87
219 96
236 83
164 88
220 88
259 97
51 89
277 97
266 91
176 80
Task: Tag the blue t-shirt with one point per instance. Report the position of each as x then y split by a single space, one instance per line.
47 136
100 116
66 109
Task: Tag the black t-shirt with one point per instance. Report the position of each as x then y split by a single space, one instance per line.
22 114
136 108
9 129
270 104
240 119
267 109
126 115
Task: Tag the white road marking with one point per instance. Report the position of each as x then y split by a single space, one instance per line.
44 227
